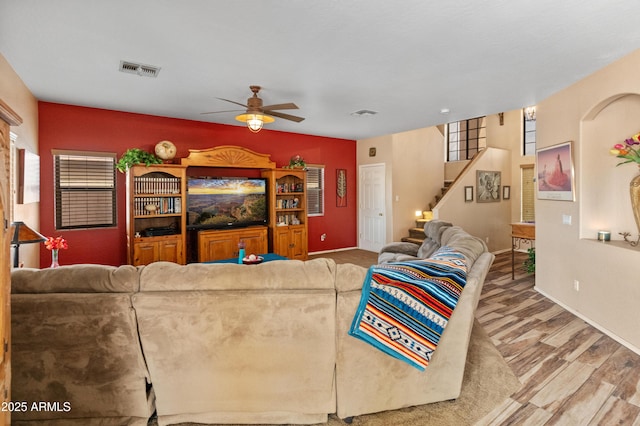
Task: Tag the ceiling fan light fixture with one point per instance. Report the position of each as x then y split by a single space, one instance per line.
255 121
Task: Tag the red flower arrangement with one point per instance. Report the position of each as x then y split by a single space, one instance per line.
56 243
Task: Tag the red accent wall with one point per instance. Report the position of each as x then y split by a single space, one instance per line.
91 129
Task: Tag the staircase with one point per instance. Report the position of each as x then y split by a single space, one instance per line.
416 235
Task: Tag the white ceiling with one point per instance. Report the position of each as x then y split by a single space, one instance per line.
406 60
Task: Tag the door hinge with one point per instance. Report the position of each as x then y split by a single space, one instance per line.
6 346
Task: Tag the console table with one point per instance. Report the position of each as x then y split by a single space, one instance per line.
522 234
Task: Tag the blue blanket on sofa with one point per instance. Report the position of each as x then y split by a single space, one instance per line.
405 306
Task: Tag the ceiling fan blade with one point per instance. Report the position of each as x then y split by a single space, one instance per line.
285 116
216 112
233 102
289 105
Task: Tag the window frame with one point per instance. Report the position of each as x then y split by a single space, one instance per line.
466 143
63 192
528 148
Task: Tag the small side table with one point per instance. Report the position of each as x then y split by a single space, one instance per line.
522 234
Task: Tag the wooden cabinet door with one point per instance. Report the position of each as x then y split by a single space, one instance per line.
281 241
255 241
170 250
145 253
217 247
298 243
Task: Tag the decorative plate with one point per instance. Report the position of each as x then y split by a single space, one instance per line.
248 261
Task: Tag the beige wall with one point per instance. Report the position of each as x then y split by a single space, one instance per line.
415 166
489 221
414 174
19 98
594 113
418 175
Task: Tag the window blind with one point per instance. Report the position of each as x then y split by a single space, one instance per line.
315 190
528 194
85 189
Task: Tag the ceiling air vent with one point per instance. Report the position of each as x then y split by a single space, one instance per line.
364 113
139 69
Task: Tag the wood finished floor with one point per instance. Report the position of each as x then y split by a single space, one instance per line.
571 373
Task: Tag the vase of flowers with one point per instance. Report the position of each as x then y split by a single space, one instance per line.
629 152
55 244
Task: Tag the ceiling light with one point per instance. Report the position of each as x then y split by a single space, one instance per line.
445 111
530 113
255 121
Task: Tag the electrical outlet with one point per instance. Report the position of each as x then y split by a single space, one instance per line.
576 285
323 237
487 240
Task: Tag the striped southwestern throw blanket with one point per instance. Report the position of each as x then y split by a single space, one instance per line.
405 306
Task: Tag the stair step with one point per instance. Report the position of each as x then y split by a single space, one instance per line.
416 233
413 240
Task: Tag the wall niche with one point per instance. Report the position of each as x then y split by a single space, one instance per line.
604 188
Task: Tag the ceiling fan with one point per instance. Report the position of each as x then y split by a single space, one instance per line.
256 114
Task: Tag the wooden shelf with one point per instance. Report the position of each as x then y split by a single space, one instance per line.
288 226
158 184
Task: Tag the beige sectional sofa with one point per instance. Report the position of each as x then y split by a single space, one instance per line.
218 343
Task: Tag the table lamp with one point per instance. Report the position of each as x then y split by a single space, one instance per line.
22 234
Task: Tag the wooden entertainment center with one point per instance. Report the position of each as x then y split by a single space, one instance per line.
157 211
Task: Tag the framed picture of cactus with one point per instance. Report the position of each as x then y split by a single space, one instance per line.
341 188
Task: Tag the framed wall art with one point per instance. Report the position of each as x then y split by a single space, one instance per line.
468 194
488 186
555 172
341 188
506 192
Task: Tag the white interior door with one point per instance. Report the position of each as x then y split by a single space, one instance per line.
371 216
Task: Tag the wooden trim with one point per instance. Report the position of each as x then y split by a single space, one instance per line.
228 156
9 115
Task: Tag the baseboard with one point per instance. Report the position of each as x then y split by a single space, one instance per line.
591 322
335 250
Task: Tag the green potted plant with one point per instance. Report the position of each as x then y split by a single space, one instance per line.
530 263
296 162
134 156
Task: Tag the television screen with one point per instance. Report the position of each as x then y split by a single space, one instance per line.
226 202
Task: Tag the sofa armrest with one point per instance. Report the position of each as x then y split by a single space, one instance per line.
401 247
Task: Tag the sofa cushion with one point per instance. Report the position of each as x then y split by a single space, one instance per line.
76 279
433 231
279 274
80 349
471 247
266 355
